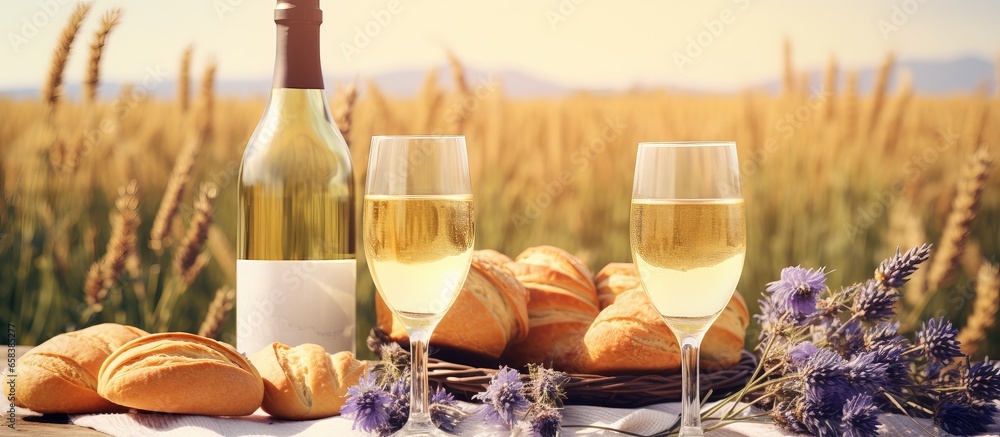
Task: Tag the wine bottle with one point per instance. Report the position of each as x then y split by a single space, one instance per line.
296 273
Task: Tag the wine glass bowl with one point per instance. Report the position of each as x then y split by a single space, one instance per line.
688 239
419 233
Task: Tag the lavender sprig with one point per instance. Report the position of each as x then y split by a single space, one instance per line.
895 271
937 340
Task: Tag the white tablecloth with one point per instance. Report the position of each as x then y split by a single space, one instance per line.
645 421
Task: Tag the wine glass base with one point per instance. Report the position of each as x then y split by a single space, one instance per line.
420 429
690 431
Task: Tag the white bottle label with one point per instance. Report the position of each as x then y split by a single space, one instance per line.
295 302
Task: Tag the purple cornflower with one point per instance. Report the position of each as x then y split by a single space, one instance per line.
874 302
865 373
897 370
546 386
846 338
983 381
444 411
936 339
547 422
961 418
797 290
860 417
895 271
367 403
504 398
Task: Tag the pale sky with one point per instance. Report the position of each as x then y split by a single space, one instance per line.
595 43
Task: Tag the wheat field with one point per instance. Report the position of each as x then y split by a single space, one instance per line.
125 209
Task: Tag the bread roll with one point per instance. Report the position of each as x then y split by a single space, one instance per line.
60 375
615 279
184 373
562 303
304 382
629 336
489 312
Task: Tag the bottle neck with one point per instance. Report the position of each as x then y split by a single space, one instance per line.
296 60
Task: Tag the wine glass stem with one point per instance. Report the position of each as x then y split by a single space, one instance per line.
419 407
690 394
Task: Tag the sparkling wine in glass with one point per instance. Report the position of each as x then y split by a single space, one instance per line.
418 236
688 236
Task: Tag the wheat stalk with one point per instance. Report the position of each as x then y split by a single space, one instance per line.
218 312
179 178
881 88
206 97
459 111
187 264
344 100
184 80
957 226
106 272
53 84
830 87
984 309
108 22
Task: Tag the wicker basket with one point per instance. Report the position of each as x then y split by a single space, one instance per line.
626 391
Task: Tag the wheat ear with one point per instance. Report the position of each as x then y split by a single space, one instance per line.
896 125
159 235
963 210
206 98
459 111
108 22
851 105
106 272
788 78
53 83
383 109
984 309
428 102
184 80
187 264
218 312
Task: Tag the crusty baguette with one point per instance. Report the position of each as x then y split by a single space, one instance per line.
489 312
177 372
562 303
615 279
304 382
60 375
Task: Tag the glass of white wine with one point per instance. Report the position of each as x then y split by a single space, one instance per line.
688 234
418 235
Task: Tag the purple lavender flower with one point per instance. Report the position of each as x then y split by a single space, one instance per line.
820 412
882 333
504 398
444 410
874 302
546 385
847 338
983 381
932 371
895 271
801 354
865 373
897 370
797 290
398 409
936 339
367 403
860 417
826 368
963 418
547 422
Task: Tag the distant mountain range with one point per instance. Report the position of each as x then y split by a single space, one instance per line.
962 75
